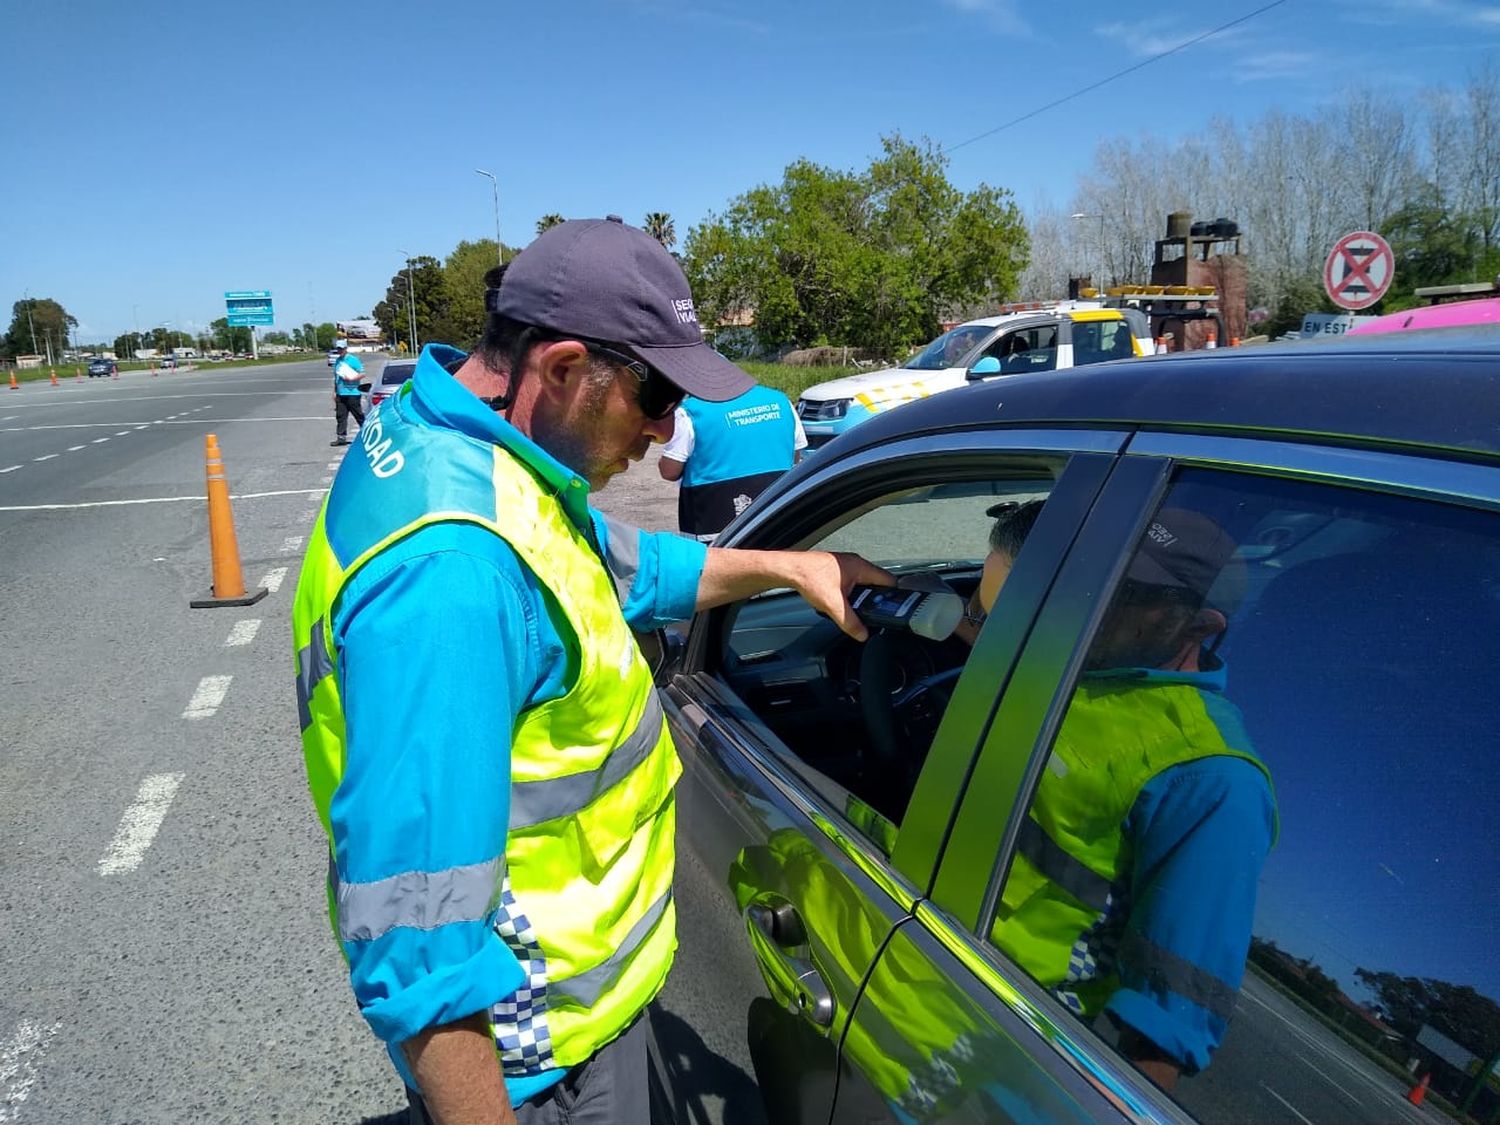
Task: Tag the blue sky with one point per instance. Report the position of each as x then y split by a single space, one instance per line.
160 153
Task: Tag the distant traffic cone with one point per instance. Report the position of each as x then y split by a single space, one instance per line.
54 378
1161 345
229 581
15 386
1234 341
153 369
1213 337
78 374
1419 1091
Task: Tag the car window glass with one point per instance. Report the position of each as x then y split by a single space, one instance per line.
856 720
1026 349
1260 858
949 349
396 374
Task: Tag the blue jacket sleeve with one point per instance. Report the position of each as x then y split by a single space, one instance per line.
1201 832
656 572
437 651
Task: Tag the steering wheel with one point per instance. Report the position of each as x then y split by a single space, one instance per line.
903 694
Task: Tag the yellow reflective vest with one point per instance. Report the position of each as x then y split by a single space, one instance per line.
584 895
1072 856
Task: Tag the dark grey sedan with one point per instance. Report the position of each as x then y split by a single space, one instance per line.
1193 815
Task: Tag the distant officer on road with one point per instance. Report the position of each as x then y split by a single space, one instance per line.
348 373
728 453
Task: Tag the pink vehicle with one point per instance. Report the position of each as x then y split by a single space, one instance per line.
1450 315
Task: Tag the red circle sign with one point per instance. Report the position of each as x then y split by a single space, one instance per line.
1359 270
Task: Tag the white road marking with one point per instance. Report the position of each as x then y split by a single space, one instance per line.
206 700
121 433
10 469
1321 1073
139 824
9 417
97 440
274 578
291 543
45 457
325 480
1286 1103
74 448
243 632
147 426
333 466
152 499
19 1056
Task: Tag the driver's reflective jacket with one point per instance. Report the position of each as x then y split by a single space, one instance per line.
1067 894
583 896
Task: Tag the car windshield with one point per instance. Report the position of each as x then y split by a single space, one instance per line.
949 349
396 373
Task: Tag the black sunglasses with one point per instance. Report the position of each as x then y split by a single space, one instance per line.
657 395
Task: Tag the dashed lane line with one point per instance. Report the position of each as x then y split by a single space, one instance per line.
243 632
97 440
140 823
291 543
45 457
1286 1103
76 448
274 578
10 469
206 700
151 499
121 433
20 1054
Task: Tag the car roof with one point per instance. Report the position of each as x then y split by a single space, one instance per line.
1438 389
1044 314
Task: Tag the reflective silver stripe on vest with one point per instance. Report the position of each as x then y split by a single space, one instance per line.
1073 876
623 555
587 987
313 663
1165 971
419 900
534 802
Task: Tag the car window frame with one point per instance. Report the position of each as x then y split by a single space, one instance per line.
1011 757
1089 457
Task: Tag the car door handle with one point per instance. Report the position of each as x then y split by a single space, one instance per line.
795 978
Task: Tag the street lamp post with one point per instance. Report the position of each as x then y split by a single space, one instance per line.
411 305
1098 282
495 191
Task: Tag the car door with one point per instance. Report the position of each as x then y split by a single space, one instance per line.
1315 941
796 861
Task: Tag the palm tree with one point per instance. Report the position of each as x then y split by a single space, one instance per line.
547 222
659 226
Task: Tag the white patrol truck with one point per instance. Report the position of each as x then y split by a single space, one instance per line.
1037 336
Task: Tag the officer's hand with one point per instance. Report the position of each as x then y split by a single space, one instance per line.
825 579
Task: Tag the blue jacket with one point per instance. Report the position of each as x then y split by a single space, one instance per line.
343 386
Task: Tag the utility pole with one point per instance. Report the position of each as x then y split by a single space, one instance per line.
411 305
30 324
495 190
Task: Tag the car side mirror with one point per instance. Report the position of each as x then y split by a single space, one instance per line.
989 365
663 649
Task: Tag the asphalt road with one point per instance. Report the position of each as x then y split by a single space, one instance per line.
166 948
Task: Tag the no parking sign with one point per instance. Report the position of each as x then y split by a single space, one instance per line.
1359 270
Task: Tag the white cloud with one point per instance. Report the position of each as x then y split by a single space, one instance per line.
1146 38
1455 13
1001 14
1266 65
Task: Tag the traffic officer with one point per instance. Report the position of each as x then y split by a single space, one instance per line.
348 396
484 744
728 453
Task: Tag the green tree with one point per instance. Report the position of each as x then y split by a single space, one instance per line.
36 323
659 226
431 300
870 259
231 339
127 344
548 221
463 279
1469 1018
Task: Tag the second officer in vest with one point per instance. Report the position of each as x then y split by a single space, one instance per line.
728 453
501 819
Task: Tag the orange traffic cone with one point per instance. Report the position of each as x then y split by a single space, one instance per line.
1213 337
153 369
229 582
54 378
15 386
1419 1091
78 373
1234 341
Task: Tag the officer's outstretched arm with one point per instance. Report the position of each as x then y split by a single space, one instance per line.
824 578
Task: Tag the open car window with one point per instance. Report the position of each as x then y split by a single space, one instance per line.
856 721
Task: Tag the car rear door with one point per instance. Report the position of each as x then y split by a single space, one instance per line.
785 892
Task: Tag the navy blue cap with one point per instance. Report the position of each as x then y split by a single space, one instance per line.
611 282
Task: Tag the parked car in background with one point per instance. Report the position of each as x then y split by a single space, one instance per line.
1043 337
167 363
392 375
103 368
922 879
1450 314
